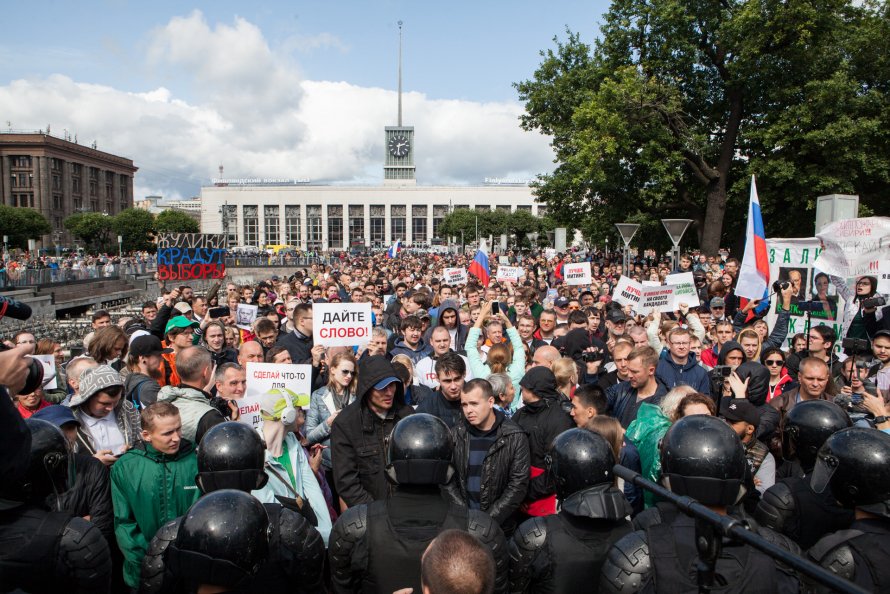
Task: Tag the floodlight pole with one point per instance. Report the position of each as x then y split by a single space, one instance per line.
627 232
675 229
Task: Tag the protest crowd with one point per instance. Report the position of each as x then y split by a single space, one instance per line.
449 423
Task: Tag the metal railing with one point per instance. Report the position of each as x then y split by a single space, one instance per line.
14 278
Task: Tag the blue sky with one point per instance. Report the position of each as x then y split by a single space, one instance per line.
287 89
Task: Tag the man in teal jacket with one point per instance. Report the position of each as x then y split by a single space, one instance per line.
152 484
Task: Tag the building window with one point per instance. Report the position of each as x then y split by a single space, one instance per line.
75 185
270 215
94 188
78 203
94 204
22 180
57 223
335 226
440 211
250 215
313 228
418 224
504 207
55 164
57 182
26 200
21 161
459 206
292 225
109 206
481 208
57 202
229 214
378 226
94 173
397 216
525 207
356 225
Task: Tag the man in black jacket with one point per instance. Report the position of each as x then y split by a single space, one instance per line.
299 342
445 402
491 457
359 433
542 418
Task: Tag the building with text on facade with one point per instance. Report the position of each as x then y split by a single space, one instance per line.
58 178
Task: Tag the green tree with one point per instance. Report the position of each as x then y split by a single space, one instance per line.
174 221
22 224
460 220
93 228
681 100
136 226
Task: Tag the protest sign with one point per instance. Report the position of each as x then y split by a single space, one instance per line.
245 315
792 260
853 247
508 274
49 370
341 324
549 253
628 292
577 273
884 277
503 259
684 289
657 298
455 276
651 283
278 380
189 256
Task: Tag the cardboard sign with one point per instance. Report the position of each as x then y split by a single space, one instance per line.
684 289
455 276
853 247
508 274
657 298
277 379
49 370
628 292
651 283
503 259
549 253
577 273
189 256
245 315
341 324
884 277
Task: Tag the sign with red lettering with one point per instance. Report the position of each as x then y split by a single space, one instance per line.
267 382
509 274
628 292
577 273
189 256
341 324
454 276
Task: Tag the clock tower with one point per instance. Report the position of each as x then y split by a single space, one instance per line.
398 167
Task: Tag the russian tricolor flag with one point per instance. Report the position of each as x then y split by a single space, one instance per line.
479 266
753 282
393 251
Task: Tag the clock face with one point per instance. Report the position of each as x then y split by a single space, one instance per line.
398 146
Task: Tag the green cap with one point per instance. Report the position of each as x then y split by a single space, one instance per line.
180 322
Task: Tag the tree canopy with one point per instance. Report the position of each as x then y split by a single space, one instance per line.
22 224
136 226
174 221
93 228
495 223
680 101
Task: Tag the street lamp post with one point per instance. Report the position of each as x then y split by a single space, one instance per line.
627 232
120 246
675 229
5 248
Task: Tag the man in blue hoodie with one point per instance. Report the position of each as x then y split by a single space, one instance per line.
677 366
411 343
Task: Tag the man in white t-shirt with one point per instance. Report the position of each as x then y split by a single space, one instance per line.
425 368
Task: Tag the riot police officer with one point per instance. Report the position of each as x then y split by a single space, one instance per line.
702 458
222 541
44 550
231 456
565 552
854 465
377 547
790 505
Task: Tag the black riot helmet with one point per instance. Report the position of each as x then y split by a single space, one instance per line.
222 540
579 459
231 456
855 464
419 453
50 469
807 426
701 456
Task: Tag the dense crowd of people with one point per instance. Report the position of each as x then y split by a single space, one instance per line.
467 446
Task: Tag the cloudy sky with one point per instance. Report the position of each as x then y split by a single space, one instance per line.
298 89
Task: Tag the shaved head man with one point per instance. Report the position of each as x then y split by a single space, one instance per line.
545 356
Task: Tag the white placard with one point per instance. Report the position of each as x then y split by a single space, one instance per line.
549 253
503 259
249 411
577 273
853 247
508 274
648 283
49 370
341 324
245 316
628 292
455 276
884 277
684 289
657 298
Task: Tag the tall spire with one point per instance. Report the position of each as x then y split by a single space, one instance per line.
400 73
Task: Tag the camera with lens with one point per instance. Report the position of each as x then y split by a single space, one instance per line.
876 301
723 370
35 374
856 346
804 306
780 286
591 356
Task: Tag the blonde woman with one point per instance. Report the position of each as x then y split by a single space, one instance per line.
566 372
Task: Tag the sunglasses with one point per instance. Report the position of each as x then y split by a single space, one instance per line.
347 372
774 362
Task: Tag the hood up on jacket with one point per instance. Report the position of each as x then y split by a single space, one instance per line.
758 381
373 369
173 393
729 346
445 305
541 382
575 342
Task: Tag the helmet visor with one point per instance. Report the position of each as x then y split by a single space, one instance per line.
826 466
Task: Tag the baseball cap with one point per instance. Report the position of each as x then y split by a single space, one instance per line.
180 322
735 410
385 382
56 414
616 316
147 345
183 307
885 333
561 302
717 302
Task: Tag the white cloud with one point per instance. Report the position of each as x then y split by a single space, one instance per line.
249 110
